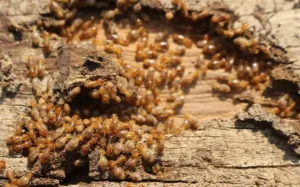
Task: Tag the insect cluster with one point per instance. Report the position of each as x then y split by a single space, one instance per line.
126 119
286 107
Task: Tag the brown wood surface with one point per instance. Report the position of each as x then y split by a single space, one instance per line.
222 152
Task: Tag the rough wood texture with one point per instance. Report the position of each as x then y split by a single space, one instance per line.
222 152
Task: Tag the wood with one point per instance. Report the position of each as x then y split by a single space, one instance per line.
222 152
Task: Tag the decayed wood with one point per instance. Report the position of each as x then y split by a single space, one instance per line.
222 152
